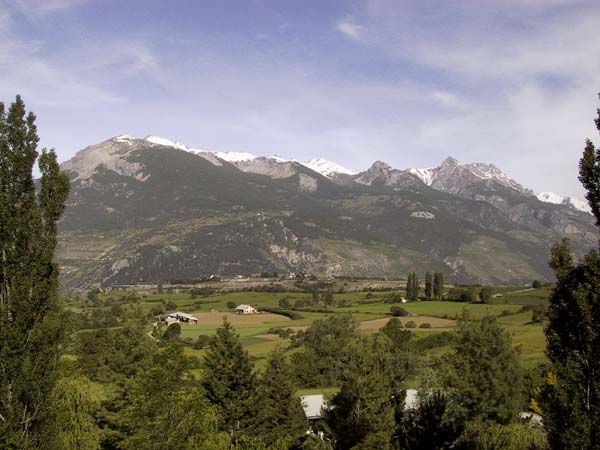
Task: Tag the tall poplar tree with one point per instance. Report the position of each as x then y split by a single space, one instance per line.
572 398
30 332
438 285
428 286
415 288
409 286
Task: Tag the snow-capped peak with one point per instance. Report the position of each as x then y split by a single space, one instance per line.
425 175
235 156
325 167
551 197
123 138
166 142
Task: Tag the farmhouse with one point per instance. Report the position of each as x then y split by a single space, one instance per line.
245 309
314 406
182 317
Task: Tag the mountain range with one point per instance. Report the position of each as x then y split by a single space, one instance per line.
156 210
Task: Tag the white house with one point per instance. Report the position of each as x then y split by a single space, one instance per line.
245 309
314 406
182 317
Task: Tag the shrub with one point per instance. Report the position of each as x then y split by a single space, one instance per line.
398 311
425 325
433 341
410 324
283 312
231 305
536 284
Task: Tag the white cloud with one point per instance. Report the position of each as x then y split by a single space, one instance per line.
350 28
37 6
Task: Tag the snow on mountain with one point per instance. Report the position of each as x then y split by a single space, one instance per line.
581 205
235 156
551 197
425 175
445 176
320 165
166 142
325 167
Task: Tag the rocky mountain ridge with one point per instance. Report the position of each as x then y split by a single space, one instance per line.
154 210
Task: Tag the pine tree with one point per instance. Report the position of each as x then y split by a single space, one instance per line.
280 413
485 377
30 329
428 286
166 408
572 397
230 382
362 412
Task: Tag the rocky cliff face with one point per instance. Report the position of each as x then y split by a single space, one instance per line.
153 210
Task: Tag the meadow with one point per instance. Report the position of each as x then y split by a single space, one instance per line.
368 308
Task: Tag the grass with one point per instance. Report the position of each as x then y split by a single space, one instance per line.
371 317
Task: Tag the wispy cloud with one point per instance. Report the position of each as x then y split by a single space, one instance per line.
350 28
37 6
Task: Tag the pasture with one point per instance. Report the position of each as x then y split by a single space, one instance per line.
367 308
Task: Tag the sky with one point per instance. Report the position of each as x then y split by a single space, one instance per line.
511 82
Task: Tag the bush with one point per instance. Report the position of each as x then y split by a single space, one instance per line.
433 341
538 313
398 311
202 341
410 324
425 325
485 295
231 305
283 312
536 284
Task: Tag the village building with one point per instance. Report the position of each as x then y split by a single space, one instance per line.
314 407
245 309
181 317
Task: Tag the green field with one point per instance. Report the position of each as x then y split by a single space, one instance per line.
367 308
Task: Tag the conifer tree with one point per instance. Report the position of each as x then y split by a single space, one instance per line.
428 286
30 330
280 413
230 382
572 398
362 412
485 377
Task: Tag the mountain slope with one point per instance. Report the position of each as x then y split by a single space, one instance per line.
144 210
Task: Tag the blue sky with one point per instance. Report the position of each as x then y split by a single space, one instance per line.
512 82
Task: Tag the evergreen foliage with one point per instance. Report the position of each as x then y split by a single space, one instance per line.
30 327
280 414
485 379
325 350
70 423
230 382
362 412
168 410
